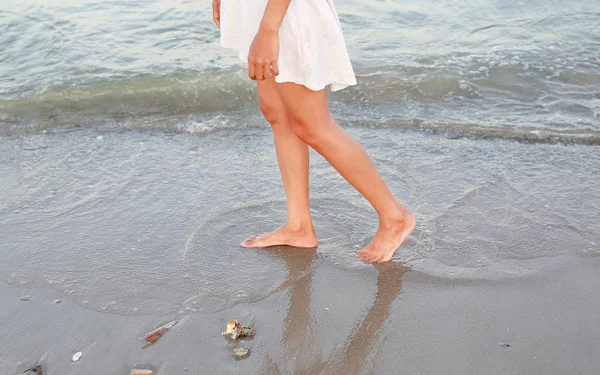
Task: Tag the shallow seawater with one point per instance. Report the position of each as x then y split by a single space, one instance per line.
150 223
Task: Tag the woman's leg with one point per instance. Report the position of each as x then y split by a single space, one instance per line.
292 156
308 112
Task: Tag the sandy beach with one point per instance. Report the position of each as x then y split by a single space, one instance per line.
386 320
499 277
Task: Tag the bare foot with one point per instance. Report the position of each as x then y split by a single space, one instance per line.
388 239
283 236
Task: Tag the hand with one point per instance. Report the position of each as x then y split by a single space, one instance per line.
264 55
216 4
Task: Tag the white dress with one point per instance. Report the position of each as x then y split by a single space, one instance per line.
312 50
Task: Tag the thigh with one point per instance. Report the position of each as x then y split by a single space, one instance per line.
270 102
303 105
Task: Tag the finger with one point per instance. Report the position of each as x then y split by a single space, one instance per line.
267 71
217 14
258 71
251 69
275 65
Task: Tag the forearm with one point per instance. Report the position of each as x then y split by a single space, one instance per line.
274 14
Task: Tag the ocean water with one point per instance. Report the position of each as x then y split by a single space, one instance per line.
134 159
522 70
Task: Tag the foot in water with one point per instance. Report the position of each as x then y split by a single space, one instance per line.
388 239
304 237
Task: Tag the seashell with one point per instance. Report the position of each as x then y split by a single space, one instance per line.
232 329
151 337
235 329
37 370
76 356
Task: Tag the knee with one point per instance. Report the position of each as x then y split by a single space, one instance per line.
305 131
273 114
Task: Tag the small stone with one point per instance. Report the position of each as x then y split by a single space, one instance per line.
503 345
185 369
141 372
25 298
246 331
241 352
76 356
57 301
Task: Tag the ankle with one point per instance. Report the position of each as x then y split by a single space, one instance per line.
393 218
299 226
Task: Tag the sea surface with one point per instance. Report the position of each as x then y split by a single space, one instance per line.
134 160
522 70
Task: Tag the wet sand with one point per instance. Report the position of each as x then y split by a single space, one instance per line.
132 230
385 320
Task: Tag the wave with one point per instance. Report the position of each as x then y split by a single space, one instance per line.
142 95
225 99
524 134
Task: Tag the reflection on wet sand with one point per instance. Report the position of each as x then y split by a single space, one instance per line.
299 340
351 357
300 335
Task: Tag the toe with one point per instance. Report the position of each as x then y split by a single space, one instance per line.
362 254
365 256
248 242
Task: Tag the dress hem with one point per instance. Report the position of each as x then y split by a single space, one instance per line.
333 86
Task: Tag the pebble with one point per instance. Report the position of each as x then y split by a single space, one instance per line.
503 345
25 298
241 352
76 356
141 372
57 300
